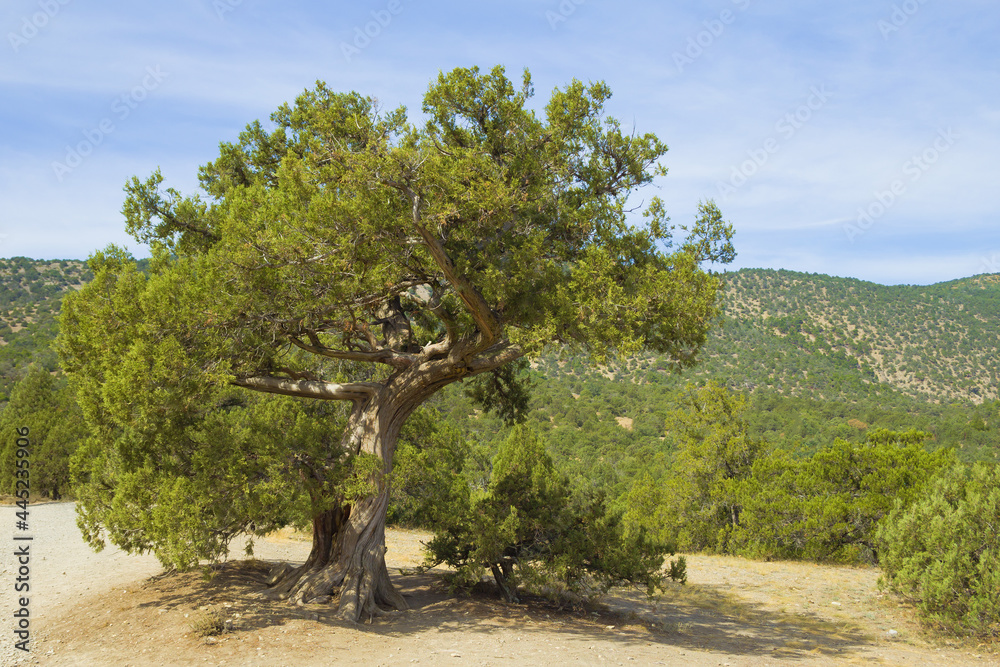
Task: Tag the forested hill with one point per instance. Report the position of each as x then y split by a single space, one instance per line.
827 337
806 335
814 351
819 357
31 292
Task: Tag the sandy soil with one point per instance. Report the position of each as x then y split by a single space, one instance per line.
115 609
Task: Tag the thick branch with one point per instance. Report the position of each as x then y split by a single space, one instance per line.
437 308
382 356
329 391
503 356
481 312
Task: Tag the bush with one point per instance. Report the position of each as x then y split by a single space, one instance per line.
828 507
943 551
526 526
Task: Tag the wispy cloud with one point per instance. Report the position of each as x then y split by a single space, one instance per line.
891 92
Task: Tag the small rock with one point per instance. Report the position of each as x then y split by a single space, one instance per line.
892 634
835 604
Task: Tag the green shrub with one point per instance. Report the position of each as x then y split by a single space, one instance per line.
714 458
527 527
828 507
852 487
943 551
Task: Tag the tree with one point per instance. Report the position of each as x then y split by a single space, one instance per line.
943 550
829 506
47 407
346 255
851 487
715 456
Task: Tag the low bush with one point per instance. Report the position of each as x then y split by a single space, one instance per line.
526 527
943 551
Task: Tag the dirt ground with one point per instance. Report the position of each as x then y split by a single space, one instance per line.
114 609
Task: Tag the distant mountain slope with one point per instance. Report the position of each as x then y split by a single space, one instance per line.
821 357
825 338
31 293
806 335
822 336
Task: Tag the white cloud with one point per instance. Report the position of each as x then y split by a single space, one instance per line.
890 96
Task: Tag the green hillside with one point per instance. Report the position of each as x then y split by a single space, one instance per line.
821 357
837 338
31 292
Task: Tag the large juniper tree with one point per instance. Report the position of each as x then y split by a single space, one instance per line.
343 254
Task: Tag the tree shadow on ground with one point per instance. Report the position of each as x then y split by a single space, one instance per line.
702 618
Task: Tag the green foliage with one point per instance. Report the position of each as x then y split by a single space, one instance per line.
504 391
715 456
431 456
490 221
227 475
677 570
526 526
728 492
943 550
47 407
342 253
853 487
174 463
829 506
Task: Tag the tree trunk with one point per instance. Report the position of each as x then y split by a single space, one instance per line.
348 552
501 577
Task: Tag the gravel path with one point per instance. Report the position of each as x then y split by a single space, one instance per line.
65 571
89 609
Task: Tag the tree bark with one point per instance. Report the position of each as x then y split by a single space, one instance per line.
347 559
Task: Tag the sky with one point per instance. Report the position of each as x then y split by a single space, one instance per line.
856 138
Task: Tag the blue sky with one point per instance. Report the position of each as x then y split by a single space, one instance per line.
854 138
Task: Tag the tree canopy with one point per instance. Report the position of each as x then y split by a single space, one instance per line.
342 253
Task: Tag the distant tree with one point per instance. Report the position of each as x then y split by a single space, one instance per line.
715 455
347 255
829 506
852 487
48 409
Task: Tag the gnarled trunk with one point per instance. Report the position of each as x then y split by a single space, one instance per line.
348 552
